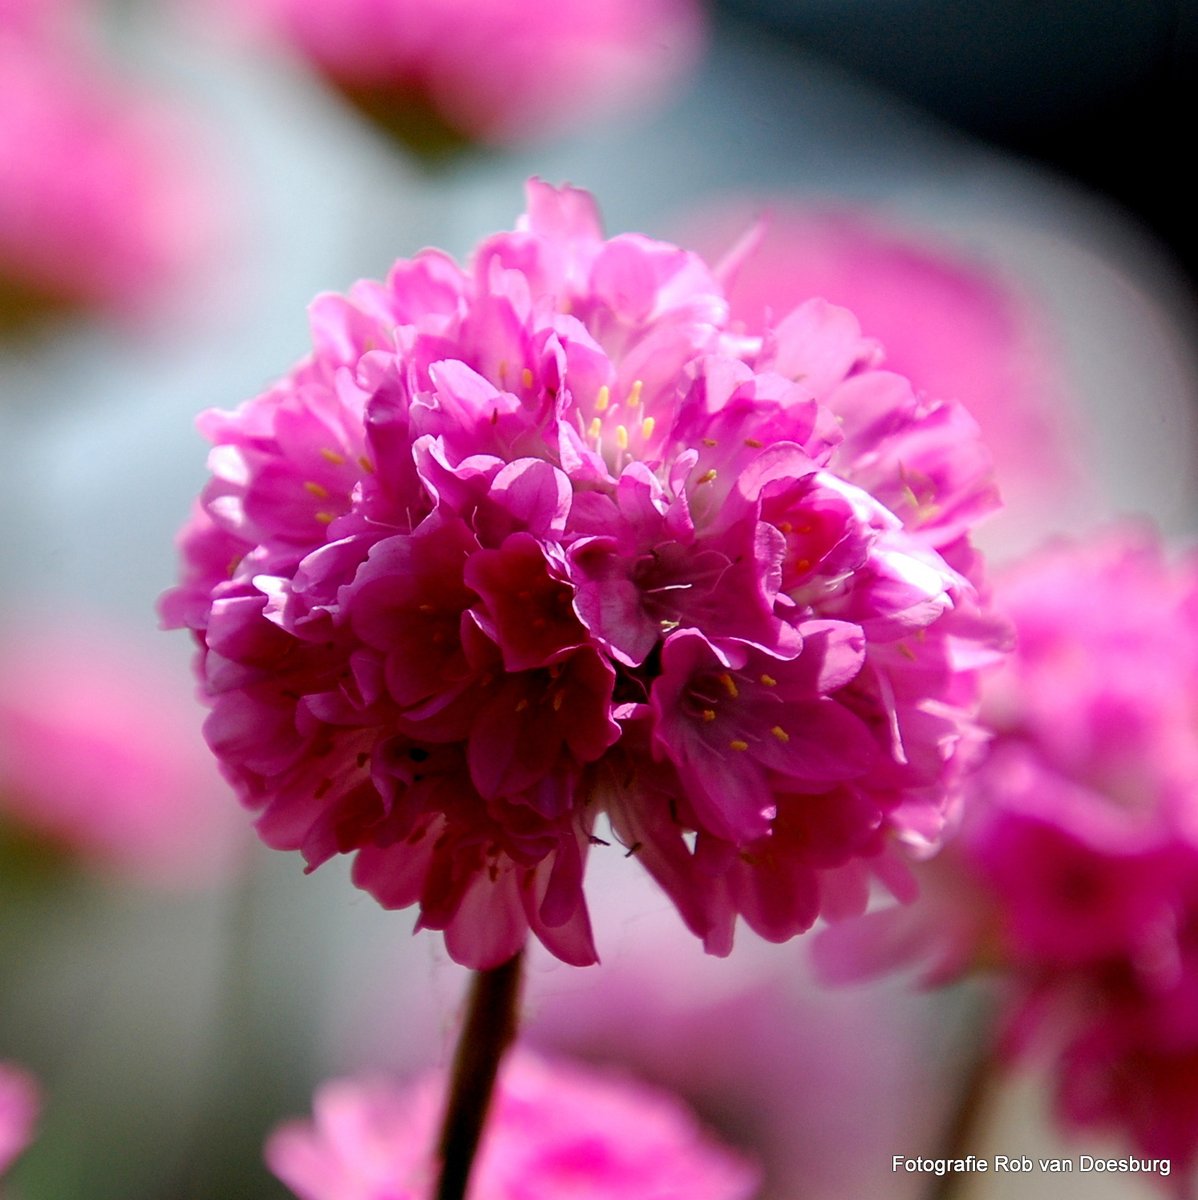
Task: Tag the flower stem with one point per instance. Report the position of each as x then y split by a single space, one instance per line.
490 1028
961 1134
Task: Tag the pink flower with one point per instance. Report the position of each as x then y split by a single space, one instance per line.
99 208
955 328
554 1130
20 1101
1076 872
98 758
495 71
540 539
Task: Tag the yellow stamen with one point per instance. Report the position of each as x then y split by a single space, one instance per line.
331 456
707 476
558 698
906 650
622 437
769 681
710 442
647 427
708 714
785 527
526 377
326 518
780 734
754 443
603 399
737 744
366 464
634 393
729 684
316 489
595 428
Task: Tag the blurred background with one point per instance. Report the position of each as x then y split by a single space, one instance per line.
178 181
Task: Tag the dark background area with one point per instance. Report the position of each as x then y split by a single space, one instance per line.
1103 91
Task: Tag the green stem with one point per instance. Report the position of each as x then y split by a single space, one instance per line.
961 1135
489 1029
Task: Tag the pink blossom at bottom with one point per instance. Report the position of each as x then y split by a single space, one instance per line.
555 1130
20 1102
100 759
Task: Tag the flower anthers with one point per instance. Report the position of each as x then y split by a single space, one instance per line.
545 538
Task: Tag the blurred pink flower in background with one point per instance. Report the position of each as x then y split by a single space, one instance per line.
1075 876
554 1130
100 759
539 538
958 329
20 1103
103 204
47 19
488 70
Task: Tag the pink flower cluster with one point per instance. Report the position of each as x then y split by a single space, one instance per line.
1086 835
540 539
98 206
554 1130
492 70
1076 872
20 1101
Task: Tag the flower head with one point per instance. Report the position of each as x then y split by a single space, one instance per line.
541 538
554 1130
1076 872
439 72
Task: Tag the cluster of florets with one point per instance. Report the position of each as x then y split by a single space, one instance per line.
545 538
